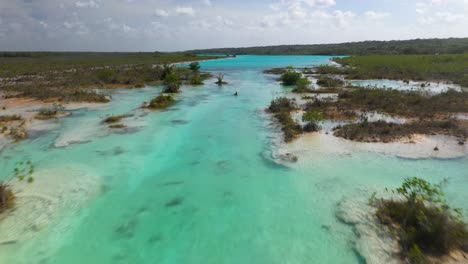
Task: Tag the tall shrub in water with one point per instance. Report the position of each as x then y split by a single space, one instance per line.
172 82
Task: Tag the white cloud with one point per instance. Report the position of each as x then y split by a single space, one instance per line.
343 18
161 13
90 4
376 15
448 17
185 10
206 2
127 29
43 24
317 2
223 21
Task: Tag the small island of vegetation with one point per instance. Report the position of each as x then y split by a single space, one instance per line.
421 220
160 102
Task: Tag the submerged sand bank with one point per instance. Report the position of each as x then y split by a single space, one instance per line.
28 109
373 241
55 192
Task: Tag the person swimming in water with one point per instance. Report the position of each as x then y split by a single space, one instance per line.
236 94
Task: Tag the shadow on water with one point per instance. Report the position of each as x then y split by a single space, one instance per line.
112 152
179 122
174 202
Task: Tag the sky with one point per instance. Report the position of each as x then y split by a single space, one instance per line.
177 25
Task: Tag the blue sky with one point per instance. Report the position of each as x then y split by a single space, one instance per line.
171 25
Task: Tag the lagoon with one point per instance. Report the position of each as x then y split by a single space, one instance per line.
199 182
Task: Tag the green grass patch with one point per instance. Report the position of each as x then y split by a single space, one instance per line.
449 67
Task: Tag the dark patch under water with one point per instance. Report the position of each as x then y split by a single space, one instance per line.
112 152
179 122
155 238
171 183
127 229
175 202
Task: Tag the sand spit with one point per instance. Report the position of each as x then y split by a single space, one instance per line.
422 148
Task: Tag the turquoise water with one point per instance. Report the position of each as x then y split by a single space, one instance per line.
196 183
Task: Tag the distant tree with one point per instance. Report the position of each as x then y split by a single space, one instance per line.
194 67
172 82
220 78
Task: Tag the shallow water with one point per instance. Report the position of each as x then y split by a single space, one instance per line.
197 184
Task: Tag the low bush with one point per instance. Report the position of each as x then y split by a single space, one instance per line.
220 79
7 198
289 127
382 131
9 118
196 80
290 77
114 119
329 82
161 102
422 220
282 104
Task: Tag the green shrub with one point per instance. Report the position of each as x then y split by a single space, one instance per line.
381 131
312 126
289 127
291 76
220 79
172 82
415 256
302 86
282 104
107 76
329 81
161 102
422 220
314 116
194 67
7 198
196 80
115 119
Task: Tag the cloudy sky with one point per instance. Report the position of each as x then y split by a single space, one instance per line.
170 25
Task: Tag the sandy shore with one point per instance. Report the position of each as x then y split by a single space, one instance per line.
312 144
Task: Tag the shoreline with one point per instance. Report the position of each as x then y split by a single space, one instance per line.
422 148
28 109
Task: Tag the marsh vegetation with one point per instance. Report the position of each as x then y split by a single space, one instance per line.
444 67
161 102
381 131
75 76
281 109
425 226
